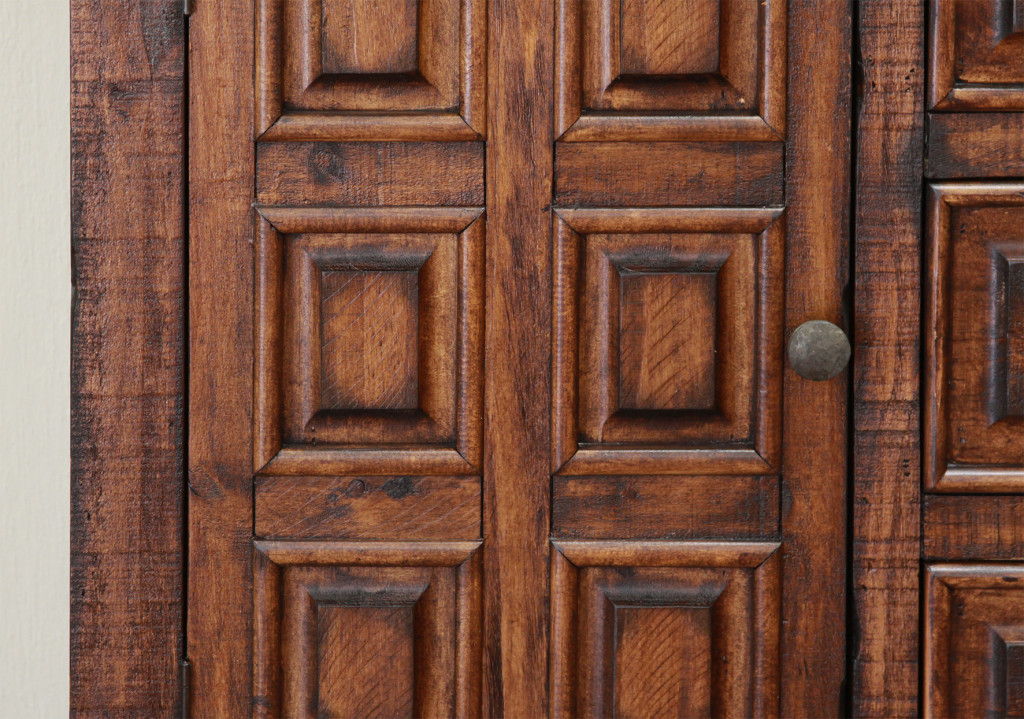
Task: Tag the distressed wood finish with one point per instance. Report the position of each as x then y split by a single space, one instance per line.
975 145
517 381
886 492
128 358
814 417
974 640
221 300
440 317
972 636
665 629
974 338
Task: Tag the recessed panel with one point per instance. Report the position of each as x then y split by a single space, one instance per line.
369 327
669 37
356 69
667 337
974 434
369 37
351 631
671 629
977 55
365 660
368 339
974 640
690 68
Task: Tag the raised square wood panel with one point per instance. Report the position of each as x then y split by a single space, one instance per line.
977 55
369 329
667 336
676 629
974 330
671 69
360 631
371 69
974 641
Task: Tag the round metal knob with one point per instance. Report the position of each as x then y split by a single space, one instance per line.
818 350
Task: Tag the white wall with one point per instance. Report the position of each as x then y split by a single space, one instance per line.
35 294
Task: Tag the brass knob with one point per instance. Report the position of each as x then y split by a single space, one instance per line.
818 350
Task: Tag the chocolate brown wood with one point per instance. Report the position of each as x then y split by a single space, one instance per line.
128 358
886 492
488 402
973 401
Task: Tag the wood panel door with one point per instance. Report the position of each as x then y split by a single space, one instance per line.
489 407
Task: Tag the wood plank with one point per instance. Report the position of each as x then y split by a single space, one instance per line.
668 173
370 173
221 300
973 528
419 508
127 362
665 507
989 144
517 341
886 414
814 434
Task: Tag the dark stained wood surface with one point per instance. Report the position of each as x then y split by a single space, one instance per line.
128 358
978 528
517 399
668 173
886 492
814 418
221 301
988 144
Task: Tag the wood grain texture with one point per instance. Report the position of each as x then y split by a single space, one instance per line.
678 70
361 70
414 386
978 528
973 640
975 145
128 355
976 56
221 357
370 174
687 628
972 436
425 508
669 38
517 369
886 493
665 507
609 174
596 253
815 416
372 629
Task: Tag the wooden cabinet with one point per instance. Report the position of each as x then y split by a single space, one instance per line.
489 411
489 406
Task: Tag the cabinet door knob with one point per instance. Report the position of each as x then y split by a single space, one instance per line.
818 350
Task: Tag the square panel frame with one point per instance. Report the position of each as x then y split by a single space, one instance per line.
571 456
758 562
938 473
455 570
458 454
945 93
445 100
765 119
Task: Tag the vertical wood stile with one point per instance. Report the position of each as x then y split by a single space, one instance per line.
814 435
886 495
221 229
517 377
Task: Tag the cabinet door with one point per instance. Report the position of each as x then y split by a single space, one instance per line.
490 412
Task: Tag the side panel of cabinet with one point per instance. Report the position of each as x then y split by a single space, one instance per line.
973 407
